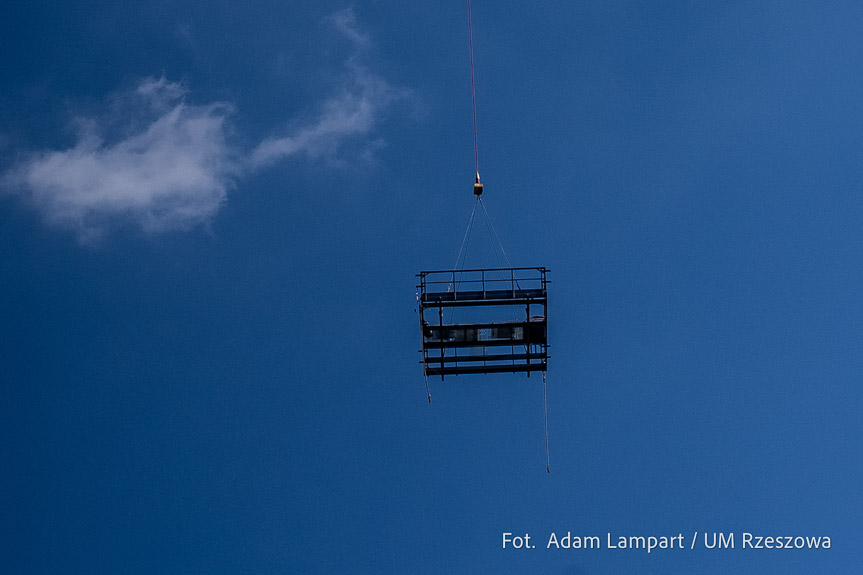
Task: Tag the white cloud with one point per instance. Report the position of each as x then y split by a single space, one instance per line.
170 164
346 23
353 113
171 175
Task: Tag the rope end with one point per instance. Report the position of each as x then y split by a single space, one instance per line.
477 187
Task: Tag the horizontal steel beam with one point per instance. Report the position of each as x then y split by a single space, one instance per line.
488 357
474 294
484 325
476 369
484 343
491 270
426 304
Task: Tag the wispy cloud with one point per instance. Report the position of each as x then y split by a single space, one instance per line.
160 164
171 175
345 21
351 114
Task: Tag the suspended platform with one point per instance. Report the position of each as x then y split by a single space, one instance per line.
483 321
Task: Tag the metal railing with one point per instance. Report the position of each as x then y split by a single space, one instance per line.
483 281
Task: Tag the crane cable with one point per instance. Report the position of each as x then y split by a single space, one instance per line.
545 413
472 90
477 184
466 240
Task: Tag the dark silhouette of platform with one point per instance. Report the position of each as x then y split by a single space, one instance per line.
478 344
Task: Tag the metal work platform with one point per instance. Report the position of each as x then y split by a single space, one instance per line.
501 323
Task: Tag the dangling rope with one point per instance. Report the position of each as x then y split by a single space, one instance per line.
494 237
464 245
472 91
422 336
545 412
466 238
426 376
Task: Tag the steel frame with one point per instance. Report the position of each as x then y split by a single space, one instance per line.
483 343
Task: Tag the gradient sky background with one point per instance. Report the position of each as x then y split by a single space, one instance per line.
211 214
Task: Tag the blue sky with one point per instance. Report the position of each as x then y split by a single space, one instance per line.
211 216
